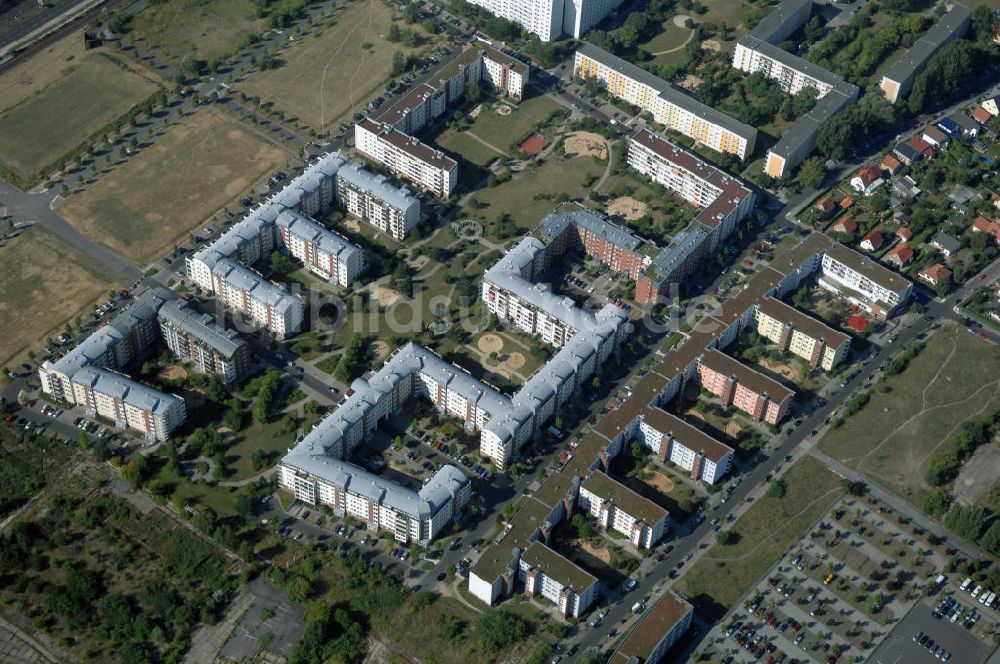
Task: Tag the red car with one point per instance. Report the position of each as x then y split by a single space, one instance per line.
982 276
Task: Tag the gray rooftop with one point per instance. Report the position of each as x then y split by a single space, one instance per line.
202 327
775 26
554 223
308 230
949 26
257 286
805 129
124 388
667 91
378 186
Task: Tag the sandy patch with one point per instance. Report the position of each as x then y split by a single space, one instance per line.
351 224
661 482
681 20
585 143
173 372
695 414
515 361
711 45
690 82
602 553
628 208
490 343
502 109
379 350
733 430
386 297
474 113
779 368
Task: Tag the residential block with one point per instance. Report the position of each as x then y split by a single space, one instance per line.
616 507
800 334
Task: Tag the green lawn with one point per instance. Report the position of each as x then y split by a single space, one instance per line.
954 379
497 134
271 437
462 145
35 133
529 195
725 573
669 38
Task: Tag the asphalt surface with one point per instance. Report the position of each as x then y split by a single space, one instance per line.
899 647
23 17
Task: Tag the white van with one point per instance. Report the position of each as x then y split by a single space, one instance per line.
965 584
975 593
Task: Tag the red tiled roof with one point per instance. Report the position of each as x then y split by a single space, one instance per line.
903 254
846 224
935 273
981 115
984 225
868 174
875 239
846 203
905 233
891 164
921 146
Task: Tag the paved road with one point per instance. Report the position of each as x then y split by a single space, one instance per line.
23 17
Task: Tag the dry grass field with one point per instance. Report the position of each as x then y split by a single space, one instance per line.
172 187
56 99
327 74
35 268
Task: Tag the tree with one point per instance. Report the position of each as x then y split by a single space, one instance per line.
627 36
811 173
498 629
282 264
777 488
411 13
398 63
947 72
394 35
582 526
727 537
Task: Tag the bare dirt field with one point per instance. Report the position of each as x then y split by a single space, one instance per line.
326 75
733 430
490 343
780 368
379 350
515 361
169 189
34 267
173 372
602 552
690 82
711 45
979 474
48 104
351 224
627 208
585 143
660 482
386 297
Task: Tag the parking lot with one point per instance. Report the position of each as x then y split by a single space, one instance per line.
900 646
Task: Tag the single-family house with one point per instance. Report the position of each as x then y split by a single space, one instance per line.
904 234
873 241
969 127
984 225
826 206
867 180
950 127
991 106
961 196
946 244
846 203
891 165
934 136
905 187
845 224
899 256
935 274
981 115
906 153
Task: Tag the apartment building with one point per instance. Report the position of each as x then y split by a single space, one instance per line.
800 334
616 507
763 399
407 157
375 200
551 19
758 51
222 268
196 338
863 281
660 628
87 375
505 74
898 80
322 251
668 105
317 478
547 574
260 301
672 439
130 404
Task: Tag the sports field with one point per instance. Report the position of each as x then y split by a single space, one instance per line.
35 268
725 573
167 190
326 75
956 378
53 101
204 30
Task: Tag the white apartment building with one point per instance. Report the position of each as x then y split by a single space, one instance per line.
372 198
196 338
550 19
802 335
863 281
898 80
758 51
407 157
556 578
411 516
130 404
668 105
617 507
260 301
672 439
504 73
662 626
321 250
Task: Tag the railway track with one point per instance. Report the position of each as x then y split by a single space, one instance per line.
104 8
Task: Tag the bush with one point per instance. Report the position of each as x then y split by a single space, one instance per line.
499 629
777 489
